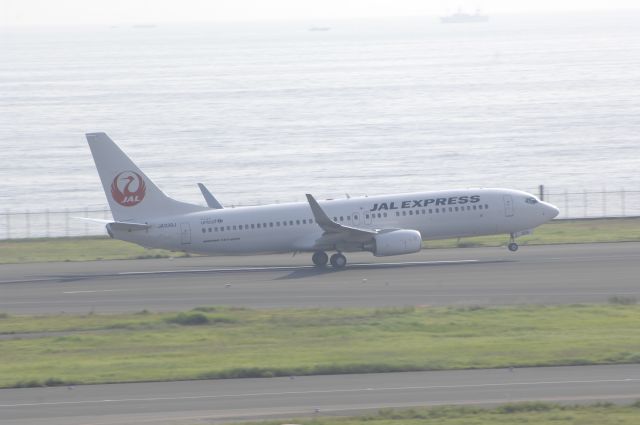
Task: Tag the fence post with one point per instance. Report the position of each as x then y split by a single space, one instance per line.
8 224
622 195
604 202
66 222
541 192
86 222
585 203
27 219
46 220
566 203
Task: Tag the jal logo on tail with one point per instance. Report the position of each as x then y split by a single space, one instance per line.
128 188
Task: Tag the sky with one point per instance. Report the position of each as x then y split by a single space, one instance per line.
114 12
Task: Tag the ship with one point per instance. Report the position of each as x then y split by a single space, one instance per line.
461 17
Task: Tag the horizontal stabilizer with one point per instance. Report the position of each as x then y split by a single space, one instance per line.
117 225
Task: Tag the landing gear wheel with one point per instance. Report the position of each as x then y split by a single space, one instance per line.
320 258
513 247
338 261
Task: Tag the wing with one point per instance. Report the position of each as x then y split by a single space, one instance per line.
336 235
330 226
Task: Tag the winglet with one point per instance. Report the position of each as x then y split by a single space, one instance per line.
212 202
321 217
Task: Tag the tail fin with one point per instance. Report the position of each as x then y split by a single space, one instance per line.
131 194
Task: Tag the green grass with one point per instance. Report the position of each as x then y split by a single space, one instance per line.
75 249
103 248
537 413
241 343
558 232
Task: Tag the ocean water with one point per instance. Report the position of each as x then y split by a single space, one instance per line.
267 112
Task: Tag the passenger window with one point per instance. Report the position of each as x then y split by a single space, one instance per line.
222 229
456 208
235 228
355 217
204 230
298 222
240 227
486 206
335 218
397 214
290 222
430 211
450 209
277 224
384 214
215 229
474 207
258 225
253 226
271 224
284 223
404 213
304 221
366 216
479 207
310 221
410 212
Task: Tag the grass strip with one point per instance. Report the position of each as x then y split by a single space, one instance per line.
538 413
558 232
103 248
15 251
229 343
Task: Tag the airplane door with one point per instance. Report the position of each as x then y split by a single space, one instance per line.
508 205
185 233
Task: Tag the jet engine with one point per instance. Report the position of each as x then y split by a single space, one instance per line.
396 242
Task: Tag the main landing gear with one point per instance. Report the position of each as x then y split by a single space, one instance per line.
513 246
320 259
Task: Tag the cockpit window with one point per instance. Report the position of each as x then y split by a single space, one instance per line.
531 201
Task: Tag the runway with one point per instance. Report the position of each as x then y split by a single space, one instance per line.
246 399
559 274
480 276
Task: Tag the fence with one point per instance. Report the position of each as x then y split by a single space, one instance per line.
572 204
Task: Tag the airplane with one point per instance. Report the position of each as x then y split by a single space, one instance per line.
384 225
211 200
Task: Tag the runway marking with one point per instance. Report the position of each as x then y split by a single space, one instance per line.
335 391
96 290
235 269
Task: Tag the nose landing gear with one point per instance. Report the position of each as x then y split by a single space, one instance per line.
513 246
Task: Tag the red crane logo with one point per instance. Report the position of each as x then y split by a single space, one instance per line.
128 188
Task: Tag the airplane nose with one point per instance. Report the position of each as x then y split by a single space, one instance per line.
551 210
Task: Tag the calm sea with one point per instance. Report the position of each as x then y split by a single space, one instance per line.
268 112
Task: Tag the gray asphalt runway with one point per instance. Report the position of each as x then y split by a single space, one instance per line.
241 399
482 276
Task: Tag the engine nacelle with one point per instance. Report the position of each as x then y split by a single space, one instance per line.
397 242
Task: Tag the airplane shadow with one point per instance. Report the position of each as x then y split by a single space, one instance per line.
306 272
292 272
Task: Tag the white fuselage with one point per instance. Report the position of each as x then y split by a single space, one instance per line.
290 227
